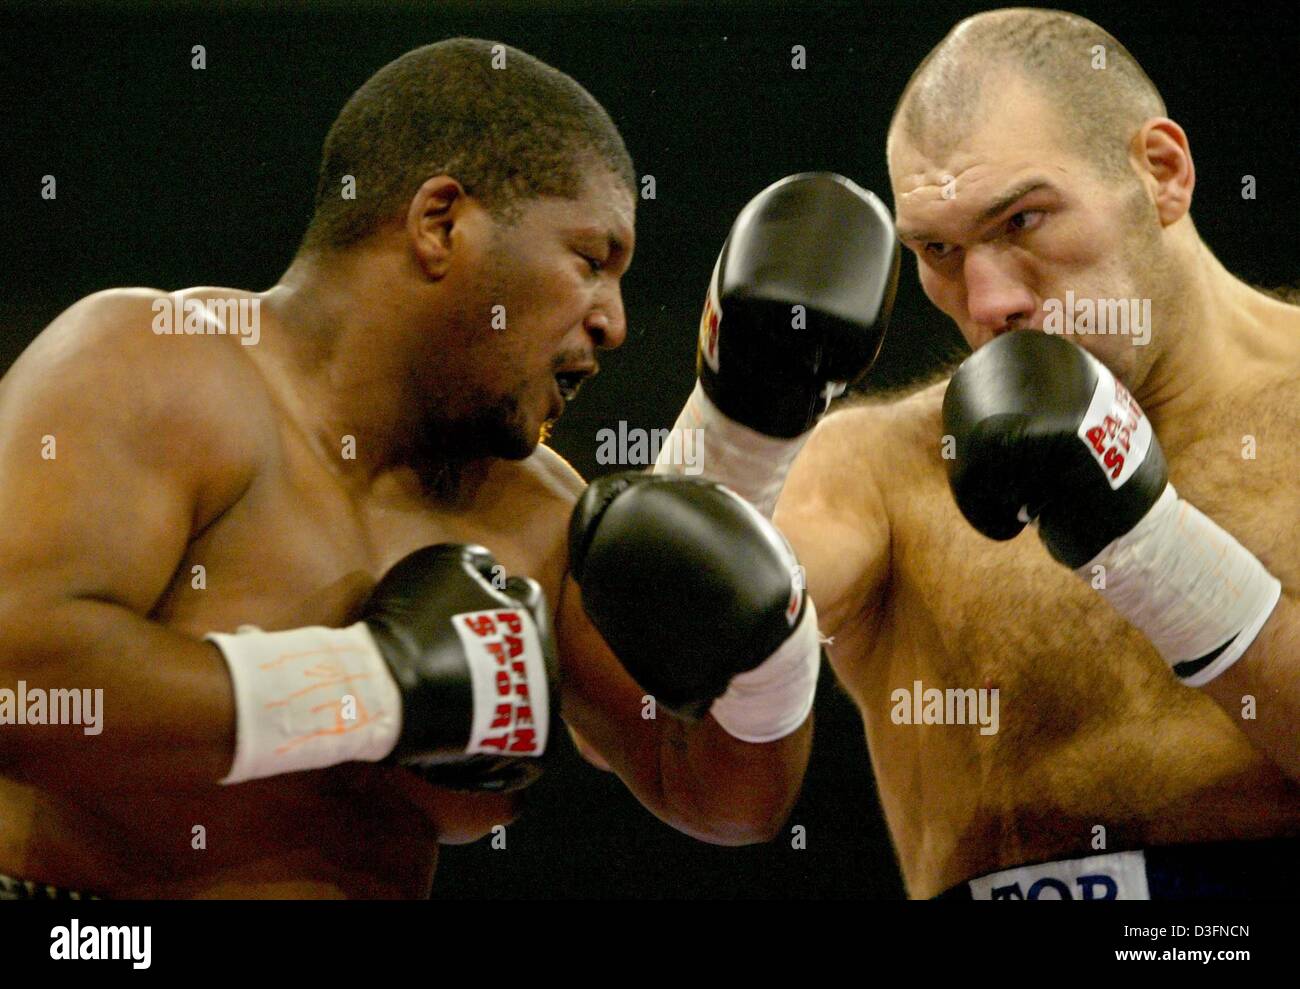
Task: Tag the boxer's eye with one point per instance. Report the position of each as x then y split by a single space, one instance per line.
937 250
594 264
1026 219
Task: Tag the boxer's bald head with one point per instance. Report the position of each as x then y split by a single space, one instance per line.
1031 164
1097 105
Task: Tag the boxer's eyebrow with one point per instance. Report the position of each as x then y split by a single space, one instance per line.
613 239
998 206
1009 199
619 250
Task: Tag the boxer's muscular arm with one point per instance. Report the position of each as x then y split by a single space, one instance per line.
696 777
832 512
1269 672
146 440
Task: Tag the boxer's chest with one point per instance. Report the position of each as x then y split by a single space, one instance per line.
1088 725
1004 612
1243 471
964 611
297 549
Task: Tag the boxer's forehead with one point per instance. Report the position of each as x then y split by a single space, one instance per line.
605 207
945 188
602 216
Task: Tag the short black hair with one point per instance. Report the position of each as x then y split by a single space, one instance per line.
505 125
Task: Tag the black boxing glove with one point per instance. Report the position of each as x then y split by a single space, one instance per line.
795 313
446 671
1044 431
475 663
798 303
699 597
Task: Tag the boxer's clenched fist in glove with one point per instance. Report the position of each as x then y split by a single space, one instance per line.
451 669
1044 432
700 599
796 312
473 656
798 302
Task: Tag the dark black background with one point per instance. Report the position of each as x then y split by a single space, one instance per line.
171 177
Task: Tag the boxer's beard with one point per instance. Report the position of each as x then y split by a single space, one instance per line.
499 426
483 425
495 427
492 428
448 450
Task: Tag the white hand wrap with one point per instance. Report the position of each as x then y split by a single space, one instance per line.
774 698
1188 585
308 698
750 463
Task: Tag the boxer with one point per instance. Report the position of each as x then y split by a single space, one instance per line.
307 544
1146 744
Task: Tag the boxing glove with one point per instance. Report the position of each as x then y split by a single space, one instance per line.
475 664
691 587
450 669
798 303
1042 430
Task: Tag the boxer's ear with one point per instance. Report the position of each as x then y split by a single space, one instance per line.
433 218
1164 159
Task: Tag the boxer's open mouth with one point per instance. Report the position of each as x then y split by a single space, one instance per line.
570 381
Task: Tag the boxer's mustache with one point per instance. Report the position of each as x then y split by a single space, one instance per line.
576 362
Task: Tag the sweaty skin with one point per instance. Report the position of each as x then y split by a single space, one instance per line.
1095 732
178 452
283 545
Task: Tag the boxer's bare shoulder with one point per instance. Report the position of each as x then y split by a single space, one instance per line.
549 481
835 505
898 433
160 435
100 368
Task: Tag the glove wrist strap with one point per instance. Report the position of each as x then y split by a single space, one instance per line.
773 699
751 463
308 698
1197 594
